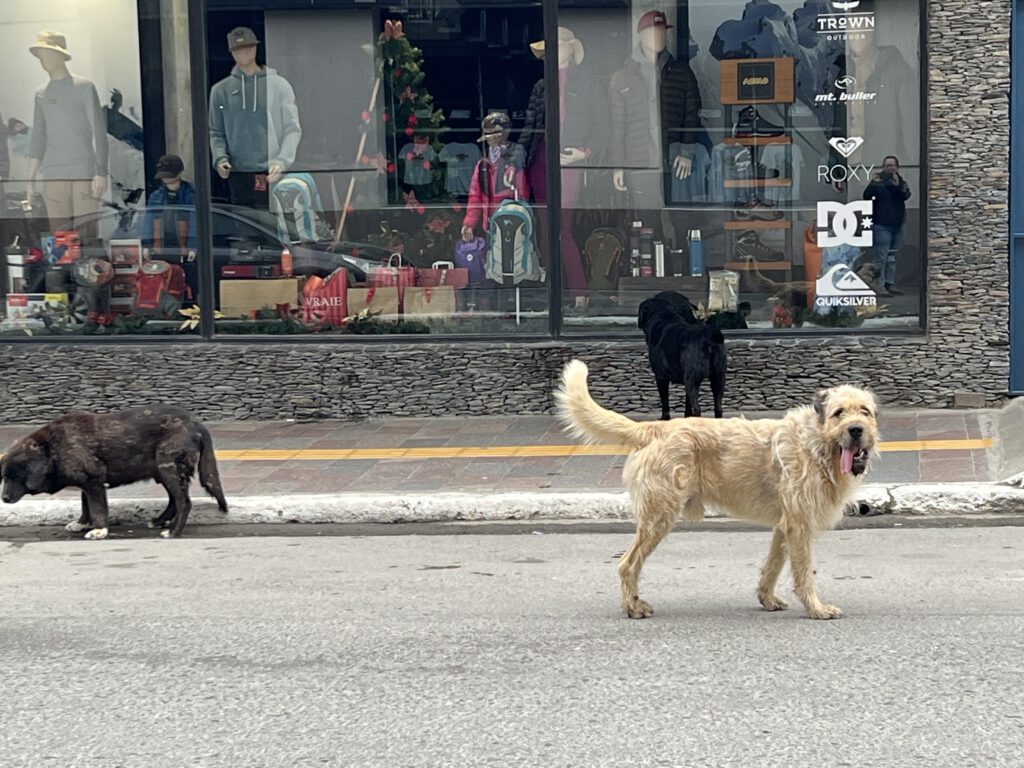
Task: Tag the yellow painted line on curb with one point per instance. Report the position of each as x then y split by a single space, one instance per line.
527 451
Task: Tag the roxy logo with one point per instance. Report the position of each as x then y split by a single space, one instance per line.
845 146
842 287
844 173
846 92
838 223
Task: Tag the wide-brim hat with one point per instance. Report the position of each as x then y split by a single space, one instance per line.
48 40
565 35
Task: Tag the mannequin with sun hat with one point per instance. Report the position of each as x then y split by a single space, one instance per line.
69 139
582 112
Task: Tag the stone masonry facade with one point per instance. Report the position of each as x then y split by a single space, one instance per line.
966 348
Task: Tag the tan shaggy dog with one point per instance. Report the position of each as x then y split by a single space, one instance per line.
795 474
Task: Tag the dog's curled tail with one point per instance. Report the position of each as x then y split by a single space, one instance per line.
209 477
588 421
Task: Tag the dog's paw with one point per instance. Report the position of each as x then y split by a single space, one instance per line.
639 609
157 522
77 527
772 602
825 611
97 533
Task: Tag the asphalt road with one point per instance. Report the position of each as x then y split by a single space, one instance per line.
488 650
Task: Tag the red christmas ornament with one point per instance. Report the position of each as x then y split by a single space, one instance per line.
420 210
386 117
364 159
412 120
366 116
409 131
391 167
426 165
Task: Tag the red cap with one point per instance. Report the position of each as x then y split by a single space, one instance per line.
652 19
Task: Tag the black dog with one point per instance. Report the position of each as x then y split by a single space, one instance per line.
682 350
94 452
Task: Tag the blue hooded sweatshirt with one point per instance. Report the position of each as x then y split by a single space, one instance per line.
254 122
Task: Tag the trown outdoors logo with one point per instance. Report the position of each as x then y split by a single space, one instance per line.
842 287
838 223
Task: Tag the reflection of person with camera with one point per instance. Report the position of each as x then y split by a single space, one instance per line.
890 193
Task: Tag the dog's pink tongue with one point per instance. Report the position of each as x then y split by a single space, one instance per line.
846 461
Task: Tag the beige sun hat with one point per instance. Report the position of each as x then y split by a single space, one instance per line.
565 35
48 40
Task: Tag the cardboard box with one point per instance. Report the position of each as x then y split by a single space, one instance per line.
22 306
240 297
383 302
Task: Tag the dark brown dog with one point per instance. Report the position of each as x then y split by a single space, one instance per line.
94 452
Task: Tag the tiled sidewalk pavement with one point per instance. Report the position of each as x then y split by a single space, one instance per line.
509 473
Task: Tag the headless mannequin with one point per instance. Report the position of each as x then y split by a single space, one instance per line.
653 41
245 59
55 65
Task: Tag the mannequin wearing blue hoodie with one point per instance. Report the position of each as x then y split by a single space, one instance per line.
254 124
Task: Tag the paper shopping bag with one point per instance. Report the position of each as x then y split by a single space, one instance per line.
394 275
443 273
421 301
325 301
382 302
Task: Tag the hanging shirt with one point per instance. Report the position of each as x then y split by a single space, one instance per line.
459 160
419 163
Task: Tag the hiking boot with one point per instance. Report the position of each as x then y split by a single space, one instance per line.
750 124
755 211
749 246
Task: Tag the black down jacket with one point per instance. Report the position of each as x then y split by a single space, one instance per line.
630 118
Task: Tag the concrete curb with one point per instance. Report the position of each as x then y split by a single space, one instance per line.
920 500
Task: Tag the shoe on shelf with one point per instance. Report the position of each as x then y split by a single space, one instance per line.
750 247
757 214
750 124
891 290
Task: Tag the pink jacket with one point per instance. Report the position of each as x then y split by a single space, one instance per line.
482 202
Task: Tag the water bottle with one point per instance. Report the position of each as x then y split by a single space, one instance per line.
696 253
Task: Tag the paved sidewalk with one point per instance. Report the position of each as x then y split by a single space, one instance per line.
520 454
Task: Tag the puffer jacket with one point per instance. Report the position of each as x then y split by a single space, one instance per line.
630 118
584 124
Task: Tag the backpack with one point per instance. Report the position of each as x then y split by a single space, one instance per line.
470 256
602 258
296 204
512 256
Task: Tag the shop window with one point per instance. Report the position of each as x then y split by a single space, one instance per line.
83 253
382 150
763 159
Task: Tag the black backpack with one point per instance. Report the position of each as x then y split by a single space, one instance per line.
604 258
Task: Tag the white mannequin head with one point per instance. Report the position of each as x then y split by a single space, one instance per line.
653 39
245 56
52 62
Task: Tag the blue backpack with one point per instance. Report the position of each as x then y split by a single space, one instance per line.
512 255
296 204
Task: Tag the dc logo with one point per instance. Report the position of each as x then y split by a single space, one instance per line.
846 219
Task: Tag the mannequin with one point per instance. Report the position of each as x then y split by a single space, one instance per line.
499 175
69 140
254 124
655 100
583 109
889 123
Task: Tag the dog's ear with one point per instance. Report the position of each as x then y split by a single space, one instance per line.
819 401
37 465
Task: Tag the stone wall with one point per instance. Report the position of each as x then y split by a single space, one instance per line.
966 348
